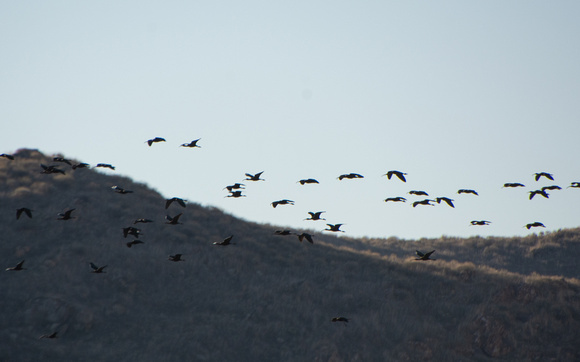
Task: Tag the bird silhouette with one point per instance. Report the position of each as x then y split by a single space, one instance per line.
423 202
574 185
283 232
553 187
513 184
97 269
18 267
154 140
134 242
235 194
225 242
549 176
424 256
168 202
467 191
143 221
105 165
51 169
52 335
315 215
446 200
334 227
62 159
282 202
399 174
256 177
539 192
7 156
236 186
173 220
66 215
131 231
80 165
191 144
306 236
24 210
176 257
396 199
340 319
534 225
121 190
350 176
418 193
480 222
308 181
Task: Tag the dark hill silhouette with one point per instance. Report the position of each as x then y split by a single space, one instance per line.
267 298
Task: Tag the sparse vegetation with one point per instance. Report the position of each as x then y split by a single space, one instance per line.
268 297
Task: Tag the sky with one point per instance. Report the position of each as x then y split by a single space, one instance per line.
456 94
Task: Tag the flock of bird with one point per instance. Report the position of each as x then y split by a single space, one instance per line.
236 191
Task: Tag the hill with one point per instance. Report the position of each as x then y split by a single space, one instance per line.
268 297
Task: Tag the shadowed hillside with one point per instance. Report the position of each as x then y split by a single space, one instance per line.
268 297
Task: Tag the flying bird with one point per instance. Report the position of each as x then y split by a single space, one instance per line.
467 191
225 242
282 202
574 185
176 257
62 159
50 169
105 165
66 215
334 227
446 200
97 269
553 187
131 231
80 165
534 225
283 232
134 242
480 222
17 267
396 199
121 190
315 215
340 319
513 184
423 202
255 177
168 202
350 176
24 210
549 176
236 186
49 336
306 236
235 194
7 156
418 193
191 144
173 220
539 192
143 221
424 256
155 140
399 174
308 181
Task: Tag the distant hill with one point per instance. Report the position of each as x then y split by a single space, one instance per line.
268 297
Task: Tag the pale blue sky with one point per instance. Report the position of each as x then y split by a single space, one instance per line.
457 94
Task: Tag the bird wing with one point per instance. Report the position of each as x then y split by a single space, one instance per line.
419 253
401 176
167 203
427 255
181 202
19 265
308 237
93 266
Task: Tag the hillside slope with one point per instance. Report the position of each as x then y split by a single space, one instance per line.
268 297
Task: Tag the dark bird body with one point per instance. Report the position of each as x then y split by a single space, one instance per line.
350 176
447 200
176 257
334 227
513 184
173 220
549 176
423 202
134 242
340 319
308 181
256 177
315 215
131 231
62 159
236 186
154 140
534 225
418 193
51 169
143 221
7 156
24 210
97 269
574 184
551 188
283 232
121 190
539 192
467 191
282 202
399 174
49 336
168 202
225 242
80 165
306 236
105 165
18 267
191 144
236 194
396 199
67 215
480 222
424 256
